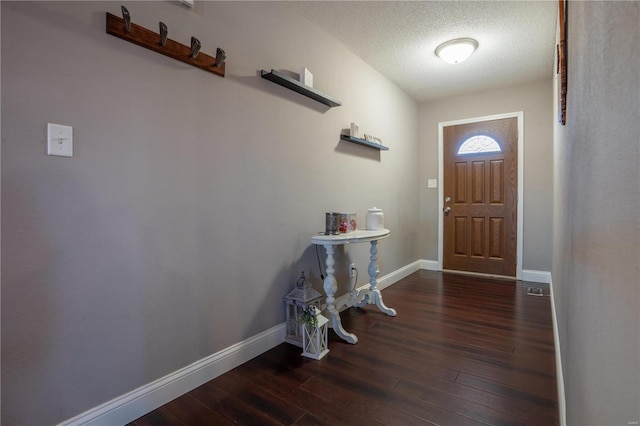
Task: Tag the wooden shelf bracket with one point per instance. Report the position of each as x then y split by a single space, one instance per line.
126 30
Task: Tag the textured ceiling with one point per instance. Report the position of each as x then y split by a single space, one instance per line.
398 38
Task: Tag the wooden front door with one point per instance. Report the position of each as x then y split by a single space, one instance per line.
481 196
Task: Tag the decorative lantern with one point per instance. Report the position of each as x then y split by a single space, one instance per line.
314 334
296 302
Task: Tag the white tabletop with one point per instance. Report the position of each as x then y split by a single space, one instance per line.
357 236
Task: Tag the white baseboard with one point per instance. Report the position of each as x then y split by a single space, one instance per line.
130 406
527 274
536 276
562 403
397 275
429 265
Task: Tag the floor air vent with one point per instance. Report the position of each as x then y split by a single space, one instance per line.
535 291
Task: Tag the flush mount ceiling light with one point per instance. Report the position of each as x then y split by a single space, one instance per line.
456 51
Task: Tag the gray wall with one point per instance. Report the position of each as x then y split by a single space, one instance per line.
186 213
535 100
596 244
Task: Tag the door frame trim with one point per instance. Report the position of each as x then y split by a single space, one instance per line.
520 214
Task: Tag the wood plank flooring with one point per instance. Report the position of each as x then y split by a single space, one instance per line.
461 351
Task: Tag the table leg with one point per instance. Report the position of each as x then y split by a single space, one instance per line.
373 281
330 288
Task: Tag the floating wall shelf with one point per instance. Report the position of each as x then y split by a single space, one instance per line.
288 82
141 36
364 142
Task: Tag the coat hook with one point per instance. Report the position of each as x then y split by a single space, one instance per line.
164 31
127 19
195 47
221 56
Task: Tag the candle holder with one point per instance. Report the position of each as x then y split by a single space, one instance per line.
314 334
299 300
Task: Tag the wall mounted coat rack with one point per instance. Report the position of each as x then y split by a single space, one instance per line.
123 28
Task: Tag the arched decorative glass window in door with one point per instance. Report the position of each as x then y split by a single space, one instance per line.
479 144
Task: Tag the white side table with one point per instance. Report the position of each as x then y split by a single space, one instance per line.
370 295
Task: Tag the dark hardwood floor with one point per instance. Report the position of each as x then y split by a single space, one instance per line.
461 351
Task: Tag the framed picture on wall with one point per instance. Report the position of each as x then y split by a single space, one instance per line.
562 62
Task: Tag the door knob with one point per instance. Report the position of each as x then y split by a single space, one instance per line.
446 209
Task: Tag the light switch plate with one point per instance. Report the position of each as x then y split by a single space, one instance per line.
59 140
432 183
